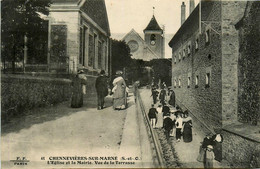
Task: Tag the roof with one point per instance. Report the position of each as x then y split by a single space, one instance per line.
192 17
135 33
96 10
153 25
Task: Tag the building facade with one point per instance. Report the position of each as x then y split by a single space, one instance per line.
151 47
209 75
79 36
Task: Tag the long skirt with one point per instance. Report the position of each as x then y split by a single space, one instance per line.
187 133
120 103
159 123
178 133
77 100
218 151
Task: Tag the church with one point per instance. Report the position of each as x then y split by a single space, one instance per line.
151 47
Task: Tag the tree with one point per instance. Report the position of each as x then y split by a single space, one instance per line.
121 56
161 70
20 18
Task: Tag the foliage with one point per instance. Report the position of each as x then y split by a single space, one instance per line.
20 18
161 70
22 93
121 56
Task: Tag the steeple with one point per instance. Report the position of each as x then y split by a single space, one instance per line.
153 25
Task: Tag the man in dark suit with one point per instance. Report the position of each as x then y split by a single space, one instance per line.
102 89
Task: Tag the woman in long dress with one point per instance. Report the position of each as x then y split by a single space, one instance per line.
217 144
187 127
77 90
119 92
159 123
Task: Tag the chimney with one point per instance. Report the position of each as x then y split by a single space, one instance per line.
192 5
183 6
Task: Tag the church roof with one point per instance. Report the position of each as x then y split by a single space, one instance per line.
153 25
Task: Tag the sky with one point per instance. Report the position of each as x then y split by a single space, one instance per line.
124 15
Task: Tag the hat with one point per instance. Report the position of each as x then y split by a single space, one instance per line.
210 146
80 71
102 72
119 72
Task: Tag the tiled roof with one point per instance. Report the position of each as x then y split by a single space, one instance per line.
96 10
153 25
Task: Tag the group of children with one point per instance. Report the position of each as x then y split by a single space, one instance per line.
175 123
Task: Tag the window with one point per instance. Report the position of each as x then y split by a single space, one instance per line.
189 49
175 59
188 82
82 52
99 55
179 56
207 37
175 83
91 51
106 59
197 44
95 52
152 39
197 81
209 56
179 82
207 80
184 53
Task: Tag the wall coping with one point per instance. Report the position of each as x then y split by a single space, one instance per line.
42 78
243 130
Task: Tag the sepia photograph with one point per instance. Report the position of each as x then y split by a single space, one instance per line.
130 84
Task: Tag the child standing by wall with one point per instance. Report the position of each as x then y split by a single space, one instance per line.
209 157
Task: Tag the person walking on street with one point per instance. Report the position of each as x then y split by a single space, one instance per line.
172 98
152 116
187 127
178 124
77 92
135 88
159 123
162 95
119 92
102 89
167 125
155 95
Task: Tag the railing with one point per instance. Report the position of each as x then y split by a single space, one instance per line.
19 67
153 136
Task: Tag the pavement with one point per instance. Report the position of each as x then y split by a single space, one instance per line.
45 135
187 152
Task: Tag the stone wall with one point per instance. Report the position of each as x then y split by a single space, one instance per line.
203 101
71 19
232 12
248 65
21 93
240 151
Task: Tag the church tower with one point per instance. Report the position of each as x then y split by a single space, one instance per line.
153 36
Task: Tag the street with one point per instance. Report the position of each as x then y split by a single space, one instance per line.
61 131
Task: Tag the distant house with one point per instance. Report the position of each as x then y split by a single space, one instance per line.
79 36
151 47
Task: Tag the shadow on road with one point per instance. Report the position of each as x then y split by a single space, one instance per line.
41 115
